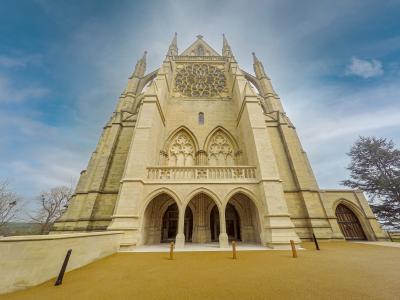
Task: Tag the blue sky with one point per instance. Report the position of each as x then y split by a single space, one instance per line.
63 64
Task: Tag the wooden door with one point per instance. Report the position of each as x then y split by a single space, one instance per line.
349 223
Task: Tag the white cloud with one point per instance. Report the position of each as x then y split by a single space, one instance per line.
364 68
288 41
7 61
10 93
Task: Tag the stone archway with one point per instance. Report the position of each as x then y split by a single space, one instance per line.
245 225
349 224
201 206
170 221
160 220
188 224
214 224
232 221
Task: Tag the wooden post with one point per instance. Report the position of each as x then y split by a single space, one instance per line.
390 237
315 242
234 249
171 251
63 268
294 251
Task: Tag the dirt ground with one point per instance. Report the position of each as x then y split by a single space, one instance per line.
341 270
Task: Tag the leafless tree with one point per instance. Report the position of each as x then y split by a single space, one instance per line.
52 205
9 204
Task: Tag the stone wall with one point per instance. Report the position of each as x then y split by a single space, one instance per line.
30 260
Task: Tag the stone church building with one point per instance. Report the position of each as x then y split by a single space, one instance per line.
200 151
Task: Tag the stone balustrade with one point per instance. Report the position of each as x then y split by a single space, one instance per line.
201 172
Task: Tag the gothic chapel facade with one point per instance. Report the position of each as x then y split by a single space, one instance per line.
200 151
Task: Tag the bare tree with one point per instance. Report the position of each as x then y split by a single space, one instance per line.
9 204
52 205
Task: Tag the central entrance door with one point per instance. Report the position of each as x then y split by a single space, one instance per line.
349 223
170 224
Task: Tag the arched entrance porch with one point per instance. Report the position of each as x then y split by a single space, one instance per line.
201 207
349 224
161 220
232 223
242 219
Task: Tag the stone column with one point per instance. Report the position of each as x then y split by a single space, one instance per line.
201 158
180 237
223 237
200 225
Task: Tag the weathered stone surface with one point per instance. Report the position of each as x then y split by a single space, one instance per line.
201 127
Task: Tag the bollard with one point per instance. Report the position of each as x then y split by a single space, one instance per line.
171 251
63 268
294 251
234 249
315 242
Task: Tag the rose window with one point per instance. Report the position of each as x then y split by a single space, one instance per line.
199 80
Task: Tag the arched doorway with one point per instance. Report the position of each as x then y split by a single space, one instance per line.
170 224
160 220
349 223
242 219
202 207
188 226
214 224
232 223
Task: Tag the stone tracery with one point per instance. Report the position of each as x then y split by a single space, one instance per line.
220 150
199 80
181 150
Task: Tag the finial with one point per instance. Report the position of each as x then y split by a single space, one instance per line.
199 36
143 59
225 41
255 59
140 67
226 49
173 47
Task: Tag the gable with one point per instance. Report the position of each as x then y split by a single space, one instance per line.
200 48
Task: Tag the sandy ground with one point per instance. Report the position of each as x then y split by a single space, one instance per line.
339 271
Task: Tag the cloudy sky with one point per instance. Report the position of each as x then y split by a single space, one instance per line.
63 64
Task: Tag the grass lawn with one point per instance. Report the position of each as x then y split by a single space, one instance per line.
341 270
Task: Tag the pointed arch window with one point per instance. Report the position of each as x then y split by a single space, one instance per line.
181 150
220 150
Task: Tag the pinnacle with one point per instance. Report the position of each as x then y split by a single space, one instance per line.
255 59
